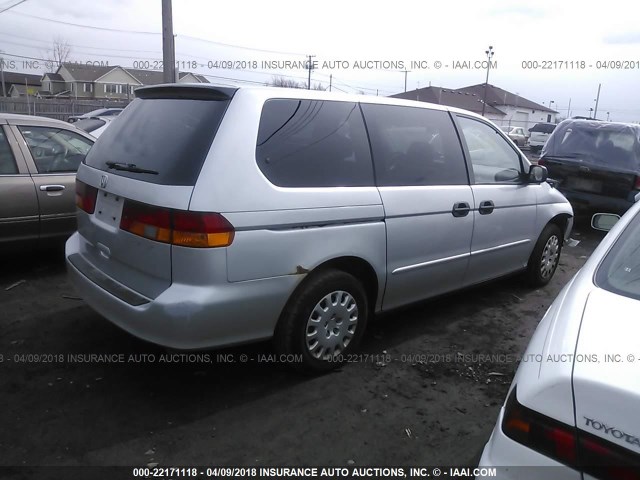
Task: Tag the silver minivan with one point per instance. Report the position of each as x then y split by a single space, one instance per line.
211 216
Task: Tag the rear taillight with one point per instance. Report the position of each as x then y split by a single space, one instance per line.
636 183
178 227
86 196
541 161
598 457
606 460
541 433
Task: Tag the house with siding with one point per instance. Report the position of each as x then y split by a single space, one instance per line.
105 82
21 80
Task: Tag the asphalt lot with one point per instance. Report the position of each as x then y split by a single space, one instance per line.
423 391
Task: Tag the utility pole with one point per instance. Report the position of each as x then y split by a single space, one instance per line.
4 88
330 80
595 113
168 44
569 109
489 53
405 78
310 67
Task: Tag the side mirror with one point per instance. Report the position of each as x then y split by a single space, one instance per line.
537 174
604 221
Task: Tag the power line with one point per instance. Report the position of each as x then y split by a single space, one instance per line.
11 6
120 30
93 27
239 46
72 45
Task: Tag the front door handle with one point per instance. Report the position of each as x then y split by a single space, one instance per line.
486 207
51 188
460 209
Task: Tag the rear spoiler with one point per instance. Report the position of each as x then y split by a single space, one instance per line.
190 91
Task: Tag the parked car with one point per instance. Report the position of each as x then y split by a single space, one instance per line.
101 112
94 125
211 216
516 134
596 164
538 135
38 162
573 403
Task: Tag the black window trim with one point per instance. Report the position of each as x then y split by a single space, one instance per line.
468 154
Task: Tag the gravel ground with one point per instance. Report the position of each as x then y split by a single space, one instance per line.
425 391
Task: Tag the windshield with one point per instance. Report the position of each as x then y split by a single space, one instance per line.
620 270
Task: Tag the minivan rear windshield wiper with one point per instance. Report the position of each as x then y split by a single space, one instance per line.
129 167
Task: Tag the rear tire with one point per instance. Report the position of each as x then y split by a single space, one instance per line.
545 256
323 321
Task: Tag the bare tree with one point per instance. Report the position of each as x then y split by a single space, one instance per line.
279 81
58 54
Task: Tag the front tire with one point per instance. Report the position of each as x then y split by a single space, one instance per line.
323 321
545 256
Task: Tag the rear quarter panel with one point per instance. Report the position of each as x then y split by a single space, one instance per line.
282 231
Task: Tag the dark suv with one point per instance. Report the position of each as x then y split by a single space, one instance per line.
596 164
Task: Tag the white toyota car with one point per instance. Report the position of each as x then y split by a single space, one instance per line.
575 400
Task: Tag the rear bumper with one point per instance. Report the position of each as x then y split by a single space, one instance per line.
184 316
515 461
593 201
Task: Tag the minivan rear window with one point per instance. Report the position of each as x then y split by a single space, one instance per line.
170 136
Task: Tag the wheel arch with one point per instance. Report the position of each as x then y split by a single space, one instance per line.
564 221
360 268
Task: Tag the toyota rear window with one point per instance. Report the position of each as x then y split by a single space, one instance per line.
170 136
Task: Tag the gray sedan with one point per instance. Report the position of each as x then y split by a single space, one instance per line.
39 158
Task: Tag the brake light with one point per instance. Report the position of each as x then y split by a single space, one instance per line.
86 196
566 444
178 227
636 184
541 161
541 433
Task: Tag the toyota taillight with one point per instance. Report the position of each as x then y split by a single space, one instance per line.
177 227
566 444
86 196
541 433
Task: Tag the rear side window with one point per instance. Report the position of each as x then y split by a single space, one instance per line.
171 136
414 146
312 143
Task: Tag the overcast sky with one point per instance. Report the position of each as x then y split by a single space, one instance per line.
353 32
